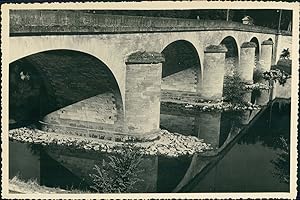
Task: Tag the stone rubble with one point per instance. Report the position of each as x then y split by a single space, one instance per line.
168 144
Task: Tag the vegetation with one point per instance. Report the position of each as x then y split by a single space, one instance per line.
234 89
119 173
257 76
276 75
17 185
285 54
281 163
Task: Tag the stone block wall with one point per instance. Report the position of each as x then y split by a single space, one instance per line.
282 91
64 21
211 86
96 117
98 109
142 97
184 125
208 125
185 80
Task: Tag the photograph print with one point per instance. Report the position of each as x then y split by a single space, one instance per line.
186 101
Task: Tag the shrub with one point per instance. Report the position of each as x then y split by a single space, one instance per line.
283 65
234 90
257 76
285 54
276 75
119 173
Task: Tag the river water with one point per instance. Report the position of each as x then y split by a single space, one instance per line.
257 159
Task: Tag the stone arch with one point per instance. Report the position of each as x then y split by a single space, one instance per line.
181 59
232 55
257 49
21 47
73 81
273 50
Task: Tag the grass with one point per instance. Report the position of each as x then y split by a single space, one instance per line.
17 185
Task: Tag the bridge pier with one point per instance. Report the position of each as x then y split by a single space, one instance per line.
265 60
211 87
265 65
142 93
208 125
247 62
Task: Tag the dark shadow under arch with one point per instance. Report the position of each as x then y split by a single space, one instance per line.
179 55
231 46
273 50
60 78
255 40
231 56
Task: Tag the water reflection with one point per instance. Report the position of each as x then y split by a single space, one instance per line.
258 161
213 127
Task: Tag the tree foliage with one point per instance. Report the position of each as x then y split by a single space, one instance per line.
234 89
119 173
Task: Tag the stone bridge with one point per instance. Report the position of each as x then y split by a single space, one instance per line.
106 73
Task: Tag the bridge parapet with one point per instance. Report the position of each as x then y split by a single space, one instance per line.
42 22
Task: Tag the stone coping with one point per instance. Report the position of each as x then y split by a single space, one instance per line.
267 42
248 45
215 49
32 22
143 57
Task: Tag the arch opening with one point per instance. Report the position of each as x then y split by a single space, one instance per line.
181 69
273 50
255 40
231 56
67 85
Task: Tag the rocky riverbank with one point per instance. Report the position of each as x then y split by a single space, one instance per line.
168 144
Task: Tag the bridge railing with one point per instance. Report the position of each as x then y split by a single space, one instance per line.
24 22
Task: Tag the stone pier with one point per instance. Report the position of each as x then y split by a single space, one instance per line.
247 62
265 60
208 125
211 87
142 93
245 116
265 65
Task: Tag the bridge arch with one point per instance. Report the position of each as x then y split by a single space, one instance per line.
231 56
257 49
273 50
181 59
68 82
97 47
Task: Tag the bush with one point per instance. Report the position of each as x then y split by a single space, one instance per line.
120 173
276 75
234 90
285 54
283 65
257 76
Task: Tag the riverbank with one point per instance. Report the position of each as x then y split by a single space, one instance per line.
168 144
19 186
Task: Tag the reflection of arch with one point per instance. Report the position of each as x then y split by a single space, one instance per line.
179 55
257 52
232 55
71 76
